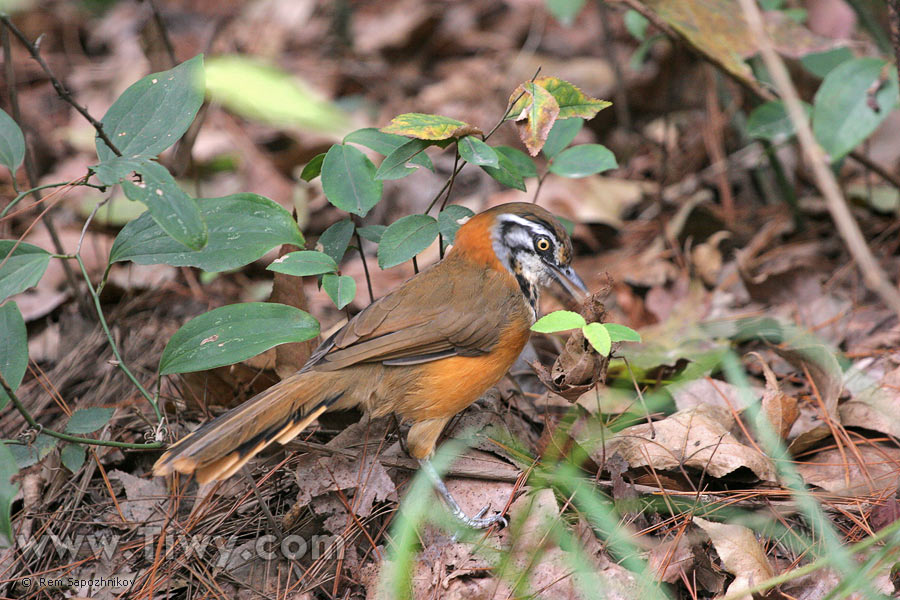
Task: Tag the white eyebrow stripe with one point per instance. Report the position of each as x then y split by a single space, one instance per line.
530 225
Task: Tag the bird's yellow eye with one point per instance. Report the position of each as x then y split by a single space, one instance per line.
543 244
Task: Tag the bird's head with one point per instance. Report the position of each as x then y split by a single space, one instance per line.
526 240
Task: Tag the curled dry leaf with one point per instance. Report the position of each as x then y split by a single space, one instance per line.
741 553
697 438
780 409
827 377
578 368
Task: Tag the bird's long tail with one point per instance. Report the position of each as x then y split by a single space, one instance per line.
222 446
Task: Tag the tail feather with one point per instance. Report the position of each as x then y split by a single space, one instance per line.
222 446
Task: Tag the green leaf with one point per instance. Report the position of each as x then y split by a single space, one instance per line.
562 134
429 127
313 168
583 160
572 101
304 262
405 238
12 143
598 336
560 320
565 11
450 220
154 113
340 288
234 333
524 164
21 268
13 348
845 110
771 122
348 178
335 239
372 233
72 457
636 24
821 64
475 151
621 333
173 210
507 173
88 420
394 165
385 143
266 93
30 454
8 491
242 227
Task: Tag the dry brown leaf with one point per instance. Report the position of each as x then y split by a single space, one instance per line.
876 406
697 438
671 560
740 551
144 497
780 409
827 377
708 392
841 473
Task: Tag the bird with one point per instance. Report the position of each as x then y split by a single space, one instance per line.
425 351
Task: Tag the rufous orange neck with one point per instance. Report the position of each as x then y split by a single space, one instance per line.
474 241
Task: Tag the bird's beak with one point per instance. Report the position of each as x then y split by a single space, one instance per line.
571 281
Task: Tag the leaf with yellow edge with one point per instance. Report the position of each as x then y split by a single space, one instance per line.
572 101
429 127
537 118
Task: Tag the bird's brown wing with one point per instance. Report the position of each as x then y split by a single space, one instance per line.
431 316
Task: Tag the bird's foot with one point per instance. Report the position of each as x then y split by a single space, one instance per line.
479 521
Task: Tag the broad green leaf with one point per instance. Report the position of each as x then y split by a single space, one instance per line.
154 113
539 111
621 333
560 320
562 134
313 168
821 64
8 491
385 143
13 348
12 143
242 227
266 93
583 160
27 455
524 164
234 333
771 122
405 238
846 110
340 288
372 233
394 165
88 420
429 127
348 178
21 268
304 262
450 220
72 457
598 336
565 11
572 101
172 209
118 168
636 24
335 239
507 173
475 151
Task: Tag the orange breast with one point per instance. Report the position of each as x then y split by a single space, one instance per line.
449 385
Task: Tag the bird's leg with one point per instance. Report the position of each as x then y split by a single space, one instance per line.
479 521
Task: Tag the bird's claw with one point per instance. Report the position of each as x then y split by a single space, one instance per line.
479 521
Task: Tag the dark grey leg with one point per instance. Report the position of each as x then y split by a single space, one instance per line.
479 521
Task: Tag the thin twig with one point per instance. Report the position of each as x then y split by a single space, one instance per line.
873 275
80 181
64 436
362 256
61 90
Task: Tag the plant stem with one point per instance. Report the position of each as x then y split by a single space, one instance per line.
64 436
17 199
